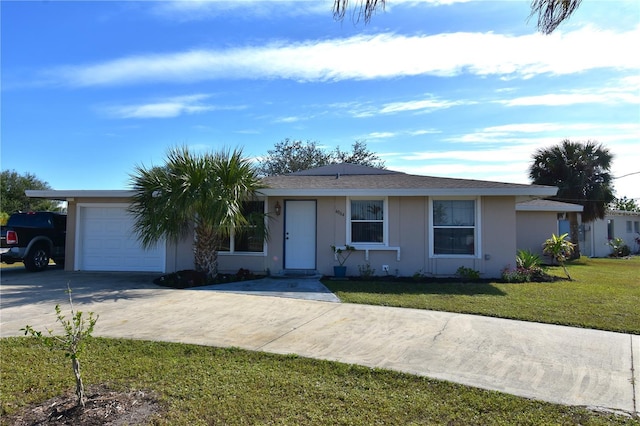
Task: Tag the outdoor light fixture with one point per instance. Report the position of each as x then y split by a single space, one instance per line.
278 208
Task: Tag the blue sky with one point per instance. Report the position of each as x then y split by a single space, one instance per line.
463 89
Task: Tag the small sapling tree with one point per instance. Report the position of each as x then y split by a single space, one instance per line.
559 249
72 342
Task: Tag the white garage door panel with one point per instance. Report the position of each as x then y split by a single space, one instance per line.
107 243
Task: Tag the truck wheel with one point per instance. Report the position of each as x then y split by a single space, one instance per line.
37 259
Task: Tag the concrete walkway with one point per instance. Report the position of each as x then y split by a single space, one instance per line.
552 363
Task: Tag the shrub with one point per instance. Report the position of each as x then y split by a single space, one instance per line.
559 249
524 275
467 274
366 271
527 260
419 275
619 248
244 275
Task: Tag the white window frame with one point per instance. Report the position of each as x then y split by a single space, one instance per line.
477 234
232 241
385 222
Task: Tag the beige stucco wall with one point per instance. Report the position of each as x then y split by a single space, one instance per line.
498 234
408 230
533 228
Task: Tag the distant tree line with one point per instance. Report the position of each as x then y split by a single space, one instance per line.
12 196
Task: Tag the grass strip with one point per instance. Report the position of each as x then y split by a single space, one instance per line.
204 385
605 295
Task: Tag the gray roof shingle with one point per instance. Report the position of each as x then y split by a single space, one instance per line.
344 179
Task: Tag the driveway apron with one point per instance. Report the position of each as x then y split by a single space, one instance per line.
553 363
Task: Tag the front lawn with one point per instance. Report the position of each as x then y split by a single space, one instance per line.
199 385
605 294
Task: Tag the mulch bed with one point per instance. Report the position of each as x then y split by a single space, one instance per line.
103 407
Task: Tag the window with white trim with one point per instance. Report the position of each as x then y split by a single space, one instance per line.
366 221
454 227
249 239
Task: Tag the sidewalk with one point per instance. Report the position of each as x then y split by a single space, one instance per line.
552 363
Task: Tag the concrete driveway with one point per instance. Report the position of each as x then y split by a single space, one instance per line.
552 363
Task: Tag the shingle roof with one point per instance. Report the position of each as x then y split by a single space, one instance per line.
548 206
362 180
343 169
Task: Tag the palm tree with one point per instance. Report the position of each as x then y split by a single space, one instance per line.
581 173
551 13
200 192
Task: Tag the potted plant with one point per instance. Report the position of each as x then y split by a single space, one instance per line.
341 255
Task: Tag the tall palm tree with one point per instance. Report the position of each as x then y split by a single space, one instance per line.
581 171
200 192
551 13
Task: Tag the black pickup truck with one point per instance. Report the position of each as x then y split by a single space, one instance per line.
34 238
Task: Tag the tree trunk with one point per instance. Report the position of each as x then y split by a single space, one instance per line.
79 385
206 251
574 236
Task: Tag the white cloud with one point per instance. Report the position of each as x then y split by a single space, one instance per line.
624 90
380 135
188 10
426 105
290 119
546 134
385 135
564 99
165 108
196 10
419 105
365 57
424 132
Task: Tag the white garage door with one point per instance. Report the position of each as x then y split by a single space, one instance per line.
107 242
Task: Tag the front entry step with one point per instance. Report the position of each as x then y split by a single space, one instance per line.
298 274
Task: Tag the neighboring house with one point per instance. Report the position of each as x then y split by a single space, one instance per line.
616 224
408 223
537 219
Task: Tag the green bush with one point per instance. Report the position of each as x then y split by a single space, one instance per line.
527 269
619 248
467 274
525 275
366 271
559 249
527 260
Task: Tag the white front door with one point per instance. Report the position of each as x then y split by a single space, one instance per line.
300 234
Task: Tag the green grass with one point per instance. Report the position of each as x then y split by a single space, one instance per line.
605 294
203 385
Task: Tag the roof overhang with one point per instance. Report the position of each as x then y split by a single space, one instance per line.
548 206
534 191
537 191
69 195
